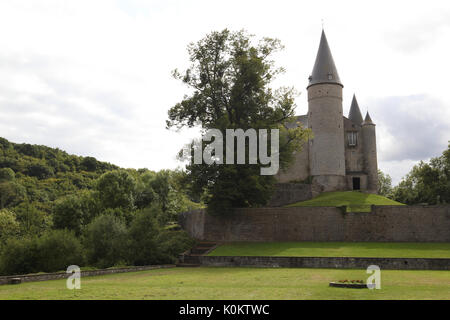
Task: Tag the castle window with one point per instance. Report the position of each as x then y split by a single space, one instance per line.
351 137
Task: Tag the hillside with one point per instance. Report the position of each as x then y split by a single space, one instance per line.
91 213
41 174
354 200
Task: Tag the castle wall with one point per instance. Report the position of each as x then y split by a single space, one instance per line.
299 170
287 193
384 223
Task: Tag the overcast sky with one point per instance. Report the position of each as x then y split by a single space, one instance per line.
94 77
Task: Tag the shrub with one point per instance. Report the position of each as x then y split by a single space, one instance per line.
144 230
172 244
19 256
105 240
54 251
57 250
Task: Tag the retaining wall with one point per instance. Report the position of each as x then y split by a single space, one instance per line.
327 262
63 275
383 224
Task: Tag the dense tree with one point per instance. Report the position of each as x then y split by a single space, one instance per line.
53 251
9 226
11 194
144 230
105 240
58 249
426 182
230 78
7 174
384 184
33 221
75 211
117 189
43 189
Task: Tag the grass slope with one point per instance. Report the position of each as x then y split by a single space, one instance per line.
335 249
238 283
354 200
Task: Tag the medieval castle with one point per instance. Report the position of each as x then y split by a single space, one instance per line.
342 153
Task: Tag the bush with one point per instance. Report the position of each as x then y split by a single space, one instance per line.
144 230
54 251
172 244
19 256
149 244
57 250
105 240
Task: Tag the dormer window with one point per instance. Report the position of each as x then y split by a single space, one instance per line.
352 138
330 76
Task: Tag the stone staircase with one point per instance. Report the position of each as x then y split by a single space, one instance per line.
191 258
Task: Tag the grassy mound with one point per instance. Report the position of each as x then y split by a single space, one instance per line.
335 249
354 200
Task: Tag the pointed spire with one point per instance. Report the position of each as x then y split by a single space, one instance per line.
355 113
368 120
324 70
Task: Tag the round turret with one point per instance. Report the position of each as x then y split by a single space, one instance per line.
370 154
327 154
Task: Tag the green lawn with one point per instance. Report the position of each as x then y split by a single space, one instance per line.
354 200
238 283
335 249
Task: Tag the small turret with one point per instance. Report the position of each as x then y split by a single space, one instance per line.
370 154
355 114
368 120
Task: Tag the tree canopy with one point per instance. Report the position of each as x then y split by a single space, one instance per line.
427 182
230 79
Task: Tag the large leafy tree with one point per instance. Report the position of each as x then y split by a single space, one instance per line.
230 80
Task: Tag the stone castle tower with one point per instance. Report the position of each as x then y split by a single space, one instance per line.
327 154
342 153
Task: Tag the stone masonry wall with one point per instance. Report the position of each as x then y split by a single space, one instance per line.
384 223
287 193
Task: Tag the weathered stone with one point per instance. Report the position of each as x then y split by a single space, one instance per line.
384 223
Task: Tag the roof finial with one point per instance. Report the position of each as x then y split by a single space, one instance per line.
322 23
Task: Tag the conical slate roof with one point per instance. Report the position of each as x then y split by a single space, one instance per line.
324 70
368 120
355 113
